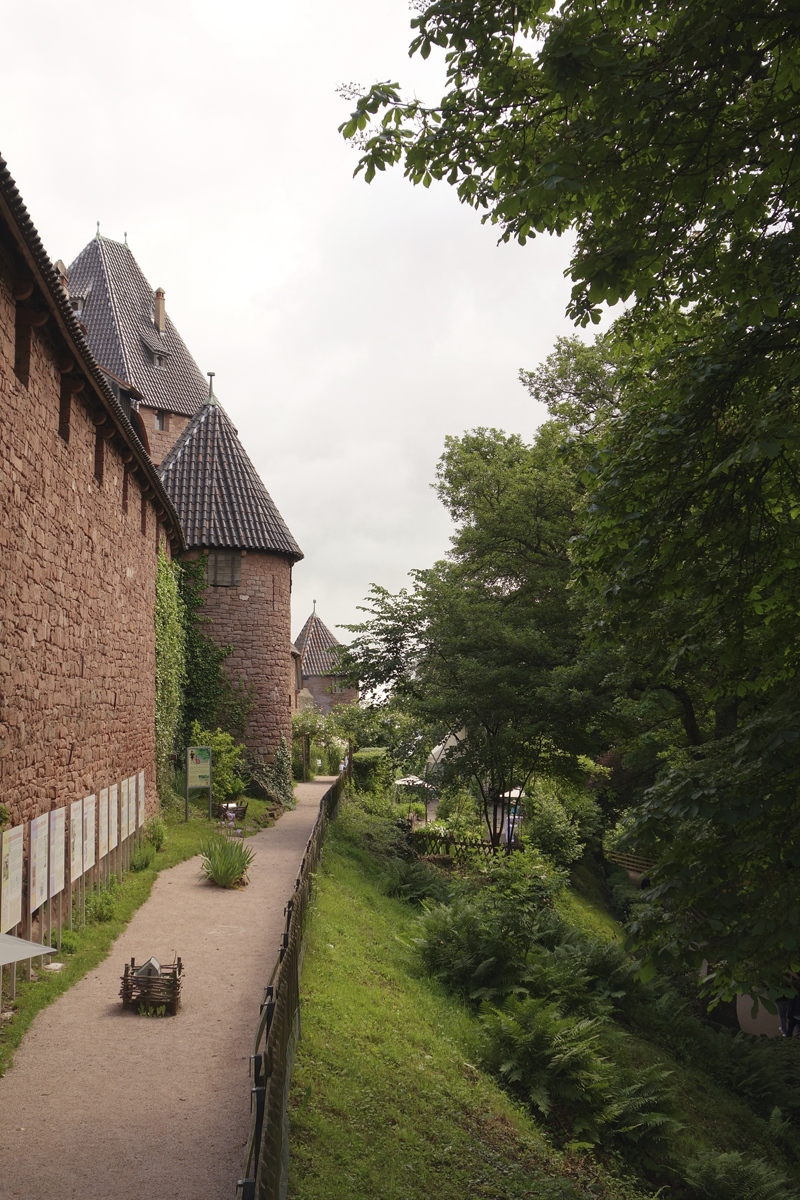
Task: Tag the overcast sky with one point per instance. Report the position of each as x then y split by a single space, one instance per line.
351 327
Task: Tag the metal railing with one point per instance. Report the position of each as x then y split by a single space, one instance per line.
266 1158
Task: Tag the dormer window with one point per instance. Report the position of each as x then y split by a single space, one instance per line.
77 304
159 361
162 423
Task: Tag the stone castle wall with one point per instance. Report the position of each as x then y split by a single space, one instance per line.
255 618
77 591
161 441
326 693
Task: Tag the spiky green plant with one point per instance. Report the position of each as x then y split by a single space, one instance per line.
225 859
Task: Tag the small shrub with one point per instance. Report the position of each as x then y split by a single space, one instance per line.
225 860
143 857
70 942
101 906
414 881
225 761
715 1176
462 946
155 831
372 770
550 828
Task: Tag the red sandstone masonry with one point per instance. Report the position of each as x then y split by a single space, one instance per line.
161 440
255 618
77 591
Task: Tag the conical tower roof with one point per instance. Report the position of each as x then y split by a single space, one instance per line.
217 491
115 303
317 647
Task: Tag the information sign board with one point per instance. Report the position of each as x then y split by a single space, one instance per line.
123 812
37 884
75 840
89 830
141 799
132 805
11 878
198 766
113 816
58 828
102 824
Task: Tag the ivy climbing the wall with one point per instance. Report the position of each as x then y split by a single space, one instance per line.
212 698
170 662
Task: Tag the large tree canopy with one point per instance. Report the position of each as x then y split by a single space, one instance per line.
665 132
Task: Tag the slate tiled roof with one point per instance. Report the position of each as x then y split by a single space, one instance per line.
33 257
317 647
118 314
217 491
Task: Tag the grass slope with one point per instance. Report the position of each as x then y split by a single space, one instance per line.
385 1103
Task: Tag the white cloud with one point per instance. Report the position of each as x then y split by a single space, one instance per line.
351 327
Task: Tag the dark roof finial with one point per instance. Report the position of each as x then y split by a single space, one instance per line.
211 398
127 247
97 235
315 609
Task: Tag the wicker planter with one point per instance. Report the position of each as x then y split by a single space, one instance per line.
152 986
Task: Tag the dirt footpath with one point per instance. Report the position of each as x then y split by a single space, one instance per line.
103 1104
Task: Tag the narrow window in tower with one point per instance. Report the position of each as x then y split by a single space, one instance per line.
99 455
64 409
22 346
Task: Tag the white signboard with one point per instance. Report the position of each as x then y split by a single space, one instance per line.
123 812
37 884
76 840
141 799
113 816
11 879
132 805
58 828
102 825
89 829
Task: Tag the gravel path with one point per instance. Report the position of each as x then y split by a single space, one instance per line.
102 1104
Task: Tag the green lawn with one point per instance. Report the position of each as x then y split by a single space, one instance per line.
385 1101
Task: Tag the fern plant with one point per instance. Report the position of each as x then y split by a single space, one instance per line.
732 1176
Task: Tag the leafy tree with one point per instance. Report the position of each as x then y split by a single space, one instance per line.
485 645
664 132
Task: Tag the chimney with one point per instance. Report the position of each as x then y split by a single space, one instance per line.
160 310
61 272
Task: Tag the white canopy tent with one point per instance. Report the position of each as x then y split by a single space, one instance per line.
14 949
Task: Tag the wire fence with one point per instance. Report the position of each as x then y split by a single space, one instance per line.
266 1159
